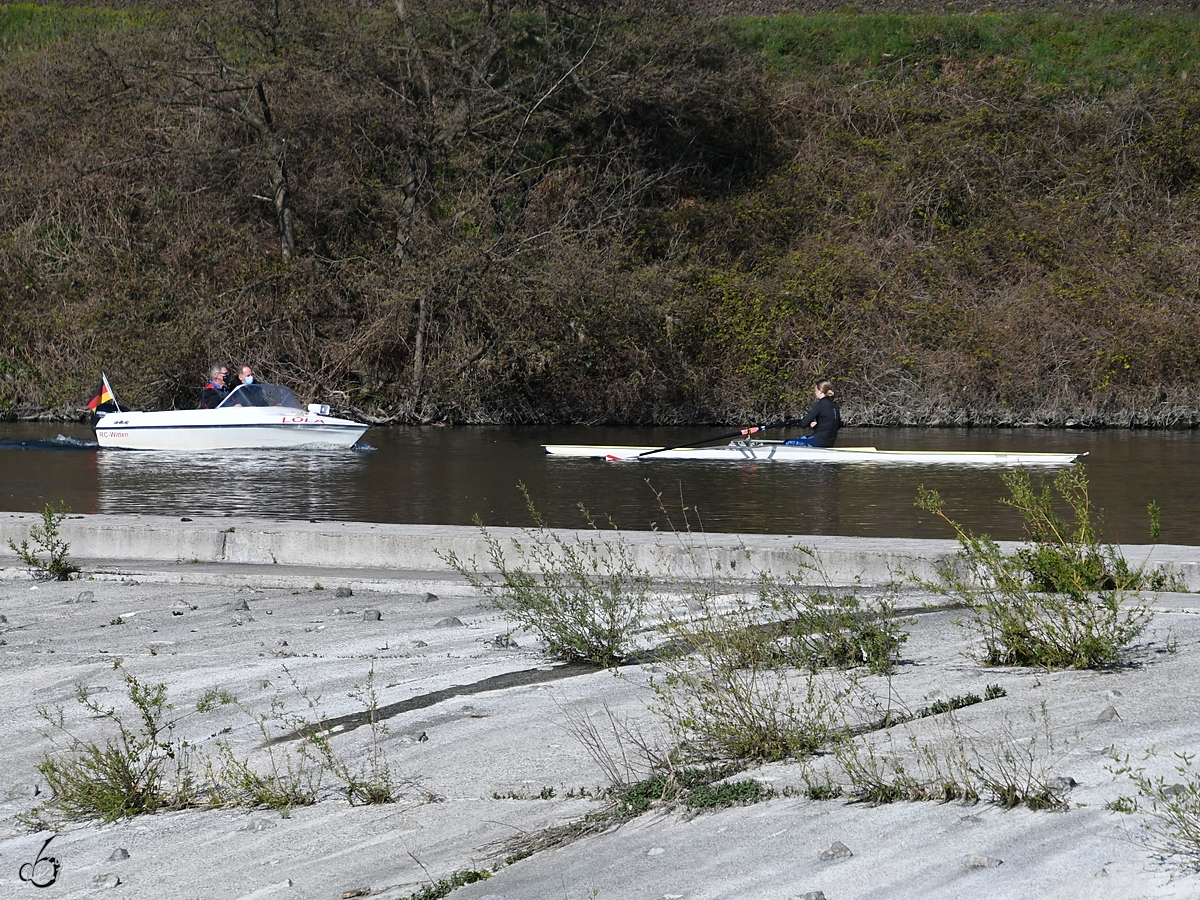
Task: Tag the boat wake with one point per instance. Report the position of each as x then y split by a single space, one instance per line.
58 443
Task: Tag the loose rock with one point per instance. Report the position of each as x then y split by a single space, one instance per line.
108 880
429 598
372 615
22 791
449 622
983 862
837 850
343 592
119 854
241 606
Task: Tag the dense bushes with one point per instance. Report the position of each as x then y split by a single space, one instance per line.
516 212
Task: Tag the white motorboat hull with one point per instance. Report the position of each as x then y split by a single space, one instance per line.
240 428
768 451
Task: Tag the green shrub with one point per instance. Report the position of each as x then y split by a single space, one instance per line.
584 596
293 778
444 886
1062 600
56 566
1172 805
696 788
768 677
828 627
729 793
937 759
993 692
823 791
141 768
729 693
144 767
373 781
287 782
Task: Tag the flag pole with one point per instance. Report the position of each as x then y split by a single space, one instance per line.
108 387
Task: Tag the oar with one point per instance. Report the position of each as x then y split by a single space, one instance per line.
721 437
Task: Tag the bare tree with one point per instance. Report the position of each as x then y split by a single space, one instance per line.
209 82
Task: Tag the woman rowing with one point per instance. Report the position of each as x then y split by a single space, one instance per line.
824 418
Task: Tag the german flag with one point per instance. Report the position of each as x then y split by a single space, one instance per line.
103 395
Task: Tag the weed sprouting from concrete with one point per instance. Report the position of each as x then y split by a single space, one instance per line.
141 765
442 887
372 782
939 758
584 596
1171 804
772 676
288 779
293 777
140 768
1062 600
56 564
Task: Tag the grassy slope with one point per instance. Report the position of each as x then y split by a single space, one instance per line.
961 219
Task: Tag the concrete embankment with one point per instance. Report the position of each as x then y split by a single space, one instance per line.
219 549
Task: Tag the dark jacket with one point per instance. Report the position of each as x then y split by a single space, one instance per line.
212 395
828 417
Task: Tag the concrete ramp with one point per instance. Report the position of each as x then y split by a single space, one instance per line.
100 540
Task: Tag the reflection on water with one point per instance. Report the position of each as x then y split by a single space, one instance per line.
270 483
450 475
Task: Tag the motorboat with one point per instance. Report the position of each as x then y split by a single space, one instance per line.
777 451
253 417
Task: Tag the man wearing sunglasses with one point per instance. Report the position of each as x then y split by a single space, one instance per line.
217 388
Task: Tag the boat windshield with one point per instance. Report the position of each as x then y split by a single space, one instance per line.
261 395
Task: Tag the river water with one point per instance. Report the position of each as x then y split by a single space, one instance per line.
450 475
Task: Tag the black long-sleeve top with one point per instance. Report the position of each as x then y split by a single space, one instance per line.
828 416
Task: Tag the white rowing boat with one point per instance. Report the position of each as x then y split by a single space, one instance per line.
777 451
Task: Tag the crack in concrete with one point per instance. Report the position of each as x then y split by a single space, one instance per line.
347 723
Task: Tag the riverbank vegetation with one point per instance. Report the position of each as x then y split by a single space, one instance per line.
1063 599
604 212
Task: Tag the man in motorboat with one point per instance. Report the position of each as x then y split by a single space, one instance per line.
217 388
825 418
252 416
